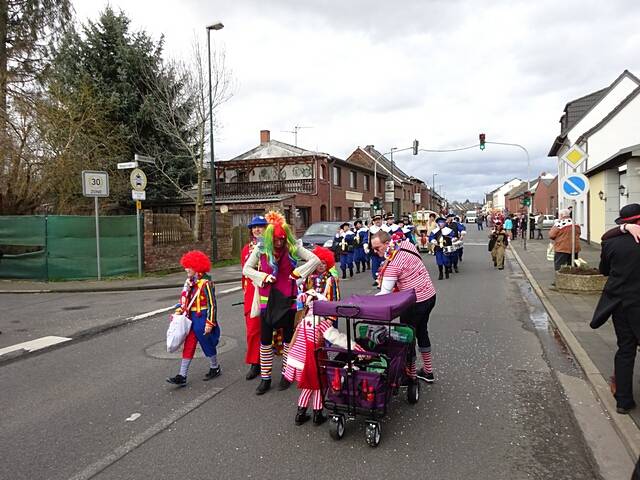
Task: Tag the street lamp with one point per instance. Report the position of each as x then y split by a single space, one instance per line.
214 236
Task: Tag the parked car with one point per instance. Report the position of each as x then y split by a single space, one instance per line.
547 221
320 233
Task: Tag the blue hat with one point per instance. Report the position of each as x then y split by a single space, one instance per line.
258 221
440 220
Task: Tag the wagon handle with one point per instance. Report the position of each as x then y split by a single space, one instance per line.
348 311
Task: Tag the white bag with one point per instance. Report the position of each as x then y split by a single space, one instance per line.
550 252
177 331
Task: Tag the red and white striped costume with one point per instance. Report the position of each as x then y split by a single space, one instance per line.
310 334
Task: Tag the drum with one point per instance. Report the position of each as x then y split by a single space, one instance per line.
449 249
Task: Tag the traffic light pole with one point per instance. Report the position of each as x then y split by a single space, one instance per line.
528 183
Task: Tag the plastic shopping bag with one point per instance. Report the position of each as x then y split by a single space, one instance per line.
177 331
550 252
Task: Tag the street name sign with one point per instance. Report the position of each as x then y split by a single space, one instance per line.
144 159
575 186
95 184
127 165
138 195
575 156
138 179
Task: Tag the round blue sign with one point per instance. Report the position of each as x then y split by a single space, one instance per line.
575 185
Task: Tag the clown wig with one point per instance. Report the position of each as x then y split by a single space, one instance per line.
326 256
196 260
278 228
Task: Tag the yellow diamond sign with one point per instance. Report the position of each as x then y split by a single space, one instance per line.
575 156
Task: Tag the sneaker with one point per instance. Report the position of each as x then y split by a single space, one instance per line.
254 371
284 384
374 284
264 387
426 376
213 373
178 380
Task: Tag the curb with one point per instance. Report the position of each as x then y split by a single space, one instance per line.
92 332
623 424
114 288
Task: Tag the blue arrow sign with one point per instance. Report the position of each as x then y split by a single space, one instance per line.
575 186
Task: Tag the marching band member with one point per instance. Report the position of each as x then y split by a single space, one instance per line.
442 239
344 241
361 246
375 259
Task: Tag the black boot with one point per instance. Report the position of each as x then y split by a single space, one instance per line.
350 272
358 267
455 268
254 371
344 273
447 271
284 384
301 416
318 417
441 276
364 266
264 386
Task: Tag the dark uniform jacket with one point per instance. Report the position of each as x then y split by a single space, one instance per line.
620 261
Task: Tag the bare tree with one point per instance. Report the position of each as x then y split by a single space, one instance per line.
181 109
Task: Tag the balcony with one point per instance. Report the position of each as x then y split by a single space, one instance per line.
272 187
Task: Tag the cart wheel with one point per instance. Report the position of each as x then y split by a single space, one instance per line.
336 427
413 392
372 434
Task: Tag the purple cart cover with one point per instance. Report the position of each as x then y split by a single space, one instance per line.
370 307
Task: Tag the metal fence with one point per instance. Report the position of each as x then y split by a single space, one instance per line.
171 228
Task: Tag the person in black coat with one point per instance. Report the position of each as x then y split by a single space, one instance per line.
620 261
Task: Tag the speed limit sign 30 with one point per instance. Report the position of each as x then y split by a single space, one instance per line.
95 184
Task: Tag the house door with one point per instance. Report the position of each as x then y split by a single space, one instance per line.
323 213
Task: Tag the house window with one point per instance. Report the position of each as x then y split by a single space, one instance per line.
323 172
337 181
337 213
303 217
353 180
366 183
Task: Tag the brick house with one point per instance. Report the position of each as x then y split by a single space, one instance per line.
544 190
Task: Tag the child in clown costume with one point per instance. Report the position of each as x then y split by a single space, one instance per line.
311 333
198 301
274 264
324 280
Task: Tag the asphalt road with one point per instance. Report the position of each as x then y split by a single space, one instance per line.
100 408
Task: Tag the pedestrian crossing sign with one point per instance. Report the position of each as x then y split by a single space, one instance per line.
575 156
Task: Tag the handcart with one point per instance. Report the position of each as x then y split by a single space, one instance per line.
362 383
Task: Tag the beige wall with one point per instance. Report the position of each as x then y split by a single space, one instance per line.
596 208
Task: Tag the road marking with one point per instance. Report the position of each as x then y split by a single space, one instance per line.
234 289
33 345
97 467
133 417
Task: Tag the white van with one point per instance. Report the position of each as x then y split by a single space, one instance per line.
471 216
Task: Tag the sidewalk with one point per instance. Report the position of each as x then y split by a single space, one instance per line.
571 314
173 280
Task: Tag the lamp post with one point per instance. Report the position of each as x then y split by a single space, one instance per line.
214 236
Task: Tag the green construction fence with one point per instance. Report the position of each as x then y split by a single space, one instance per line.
61 247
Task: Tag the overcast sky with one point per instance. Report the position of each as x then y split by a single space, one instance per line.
380 72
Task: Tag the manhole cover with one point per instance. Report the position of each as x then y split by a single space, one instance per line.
159 350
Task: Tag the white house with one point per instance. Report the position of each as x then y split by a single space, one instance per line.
498 195
606 125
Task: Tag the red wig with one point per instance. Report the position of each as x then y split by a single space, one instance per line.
196 260
326 256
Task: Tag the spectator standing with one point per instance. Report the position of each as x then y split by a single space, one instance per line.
620 261
480 221
539 224
508 226
560 233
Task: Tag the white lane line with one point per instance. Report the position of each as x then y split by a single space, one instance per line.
97 467
33 345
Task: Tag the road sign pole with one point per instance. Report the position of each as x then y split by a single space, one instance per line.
573 232
139 241
97 238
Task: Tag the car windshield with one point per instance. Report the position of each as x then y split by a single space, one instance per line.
323 229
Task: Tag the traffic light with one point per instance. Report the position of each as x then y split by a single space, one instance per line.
376 203
482 139
526 199
415 147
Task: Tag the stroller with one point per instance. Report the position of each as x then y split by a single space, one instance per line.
362 383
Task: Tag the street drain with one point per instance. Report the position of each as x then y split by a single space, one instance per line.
159 350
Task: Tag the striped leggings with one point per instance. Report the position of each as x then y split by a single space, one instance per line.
305 396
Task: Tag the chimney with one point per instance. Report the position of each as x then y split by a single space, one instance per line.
265 136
